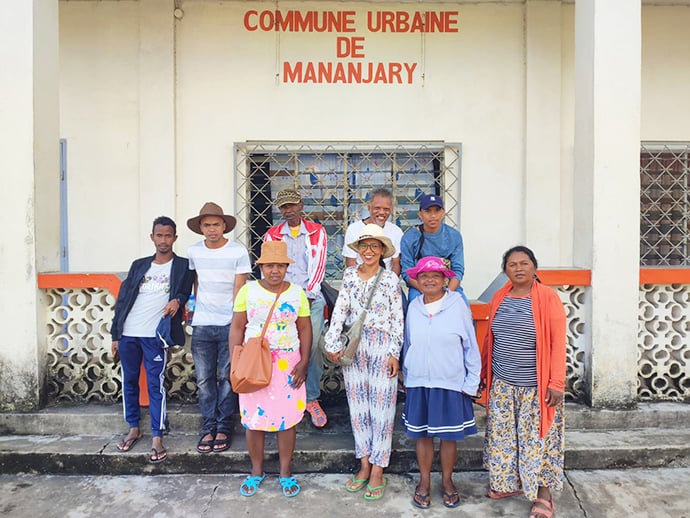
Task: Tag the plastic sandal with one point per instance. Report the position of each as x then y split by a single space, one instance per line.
158 456
252 484
354 484
538 511
449 499
497 495
368 494
206 446
127 444
421 501
288 483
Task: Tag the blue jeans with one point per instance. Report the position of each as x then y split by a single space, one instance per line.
315 369
132 350
217 401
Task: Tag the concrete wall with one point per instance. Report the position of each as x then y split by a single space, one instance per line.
481 87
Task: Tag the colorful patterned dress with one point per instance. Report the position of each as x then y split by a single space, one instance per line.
279 406
371 394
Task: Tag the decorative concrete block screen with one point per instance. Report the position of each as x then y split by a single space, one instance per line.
663 352
574 299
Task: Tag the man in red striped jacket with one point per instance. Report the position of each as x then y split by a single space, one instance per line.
306 242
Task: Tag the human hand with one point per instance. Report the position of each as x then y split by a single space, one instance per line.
553 397
336 356
115 350
393 366
299 374
171 308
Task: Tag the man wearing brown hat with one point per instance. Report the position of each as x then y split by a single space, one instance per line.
221 267
306 242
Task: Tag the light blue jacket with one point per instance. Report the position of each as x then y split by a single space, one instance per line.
441 351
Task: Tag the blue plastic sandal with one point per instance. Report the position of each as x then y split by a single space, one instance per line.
288 483
252 484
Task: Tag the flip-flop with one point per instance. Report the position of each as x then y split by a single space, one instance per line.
221 444
497 495
354 485
251 483
202 445
287 483
449 497
421 501
370 497
127 444
547 511
158 456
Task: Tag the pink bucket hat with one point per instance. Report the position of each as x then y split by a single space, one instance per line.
430 264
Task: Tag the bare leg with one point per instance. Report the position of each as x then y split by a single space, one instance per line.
540 510
375 481
364 469
286 448
255 447
425 459
449 454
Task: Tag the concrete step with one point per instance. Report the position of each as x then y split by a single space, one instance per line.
82 440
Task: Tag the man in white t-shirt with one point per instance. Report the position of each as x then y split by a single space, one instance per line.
380 208
148 318
221 267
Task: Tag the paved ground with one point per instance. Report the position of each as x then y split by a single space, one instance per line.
637 493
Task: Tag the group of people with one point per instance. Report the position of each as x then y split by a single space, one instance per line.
432 344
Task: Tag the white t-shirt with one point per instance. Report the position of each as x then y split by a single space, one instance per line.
215 270
154 293
390 230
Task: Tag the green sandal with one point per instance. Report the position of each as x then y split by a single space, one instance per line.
368 494
354 484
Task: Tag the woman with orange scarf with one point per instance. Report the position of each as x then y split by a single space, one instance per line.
523 365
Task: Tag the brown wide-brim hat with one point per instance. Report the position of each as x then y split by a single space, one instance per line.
373 231
211 209
274 252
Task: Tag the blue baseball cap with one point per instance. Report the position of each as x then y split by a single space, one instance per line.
430 200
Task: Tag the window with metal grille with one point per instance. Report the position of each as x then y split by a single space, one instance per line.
335 180
664 204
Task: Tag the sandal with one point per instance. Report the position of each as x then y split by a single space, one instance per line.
497 495
368 493
221 444
421 501
158 456
206 446
288 483
542 508
355 484
252 484
127 444
451 499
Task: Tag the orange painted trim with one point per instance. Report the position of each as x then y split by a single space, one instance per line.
480 311
108 281
664 275
564 277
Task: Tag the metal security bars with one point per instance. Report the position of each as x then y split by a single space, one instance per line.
335 180
665 204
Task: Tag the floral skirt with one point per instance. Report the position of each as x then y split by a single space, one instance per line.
513 452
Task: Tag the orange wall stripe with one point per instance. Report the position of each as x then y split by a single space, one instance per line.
664 275
108 281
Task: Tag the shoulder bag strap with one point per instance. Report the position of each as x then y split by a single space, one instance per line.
373 289
270 313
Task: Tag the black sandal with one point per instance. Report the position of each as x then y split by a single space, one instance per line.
206 446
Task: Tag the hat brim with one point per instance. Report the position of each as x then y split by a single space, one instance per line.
194 224
274 260
414 272
386 242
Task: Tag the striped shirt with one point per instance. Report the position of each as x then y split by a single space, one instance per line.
514 358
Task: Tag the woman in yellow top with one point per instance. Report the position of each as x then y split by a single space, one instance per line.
279 407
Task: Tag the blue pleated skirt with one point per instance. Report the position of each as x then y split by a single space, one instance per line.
437 412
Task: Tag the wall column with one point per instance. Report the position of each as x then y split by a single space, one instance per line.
607 189
156 114
543 130
29 199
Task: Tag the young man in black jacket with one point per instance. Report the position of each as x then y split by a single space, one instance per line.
148 318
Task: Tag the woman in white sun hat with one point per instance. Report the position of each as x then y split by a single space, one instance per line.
371 380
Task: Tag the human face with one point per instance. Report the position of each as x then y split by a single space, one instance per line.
431 283
212 227
520 269
273 273
292 213
432 218
370 250
163 237
380 209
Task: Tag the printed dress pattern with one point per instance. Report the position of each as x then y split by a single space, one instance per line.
278 406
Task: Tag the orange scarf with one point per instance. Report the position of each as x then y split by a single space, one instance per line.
549 323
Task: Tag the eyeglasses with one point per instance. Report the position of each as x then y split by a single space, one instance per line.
375 247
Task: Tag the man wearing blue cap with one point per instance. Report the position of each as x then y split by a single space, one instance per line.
432 238
148 317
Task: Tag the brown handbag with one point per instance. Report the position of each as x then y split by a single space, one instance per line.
251 366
